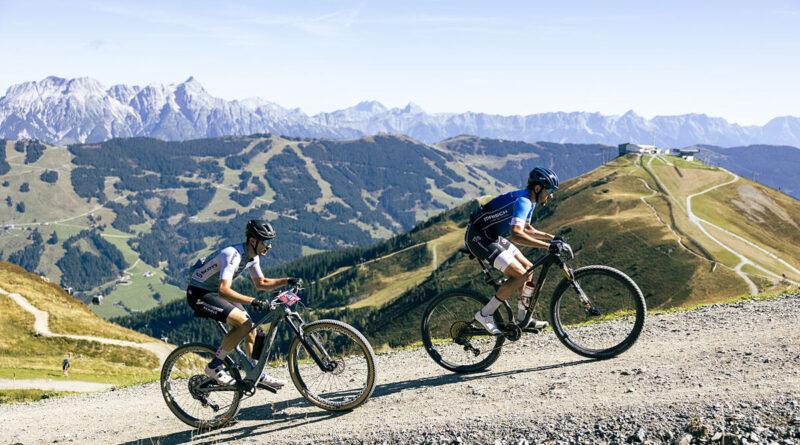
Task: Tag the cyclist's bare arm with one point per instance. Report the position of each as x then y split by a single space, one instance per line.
262 283
231 295
520 235
538 234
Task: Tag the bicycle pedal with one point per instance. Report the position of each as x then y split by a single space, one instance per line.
532 330
267 387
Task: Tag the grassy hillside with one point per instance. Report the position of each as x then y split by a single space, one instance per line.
771 165
618 214
755 215
24 355
98 217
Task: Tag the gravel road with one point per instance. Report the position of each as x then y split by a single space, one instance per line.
718 374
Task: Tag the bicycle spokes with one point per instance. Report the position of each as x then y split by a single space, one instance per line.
194 397
604 314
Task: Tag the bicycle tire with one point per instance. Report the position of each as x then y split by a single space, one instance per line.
355 356
437 337
194 366
622 308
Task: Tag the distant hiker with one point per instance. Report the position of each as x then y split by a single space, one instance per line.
485 238
209 293
65 367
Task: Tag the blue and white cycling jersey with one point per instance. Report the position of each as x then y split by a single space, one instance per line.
498 215
224 264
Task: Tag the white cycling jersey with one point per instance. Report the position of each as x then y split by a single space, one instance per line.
224 264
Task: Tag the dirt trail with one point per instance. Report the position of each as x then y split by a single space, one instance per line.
54 385
40 326
730 356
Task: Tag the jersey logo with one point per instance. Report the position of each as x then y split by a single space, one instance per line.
205 272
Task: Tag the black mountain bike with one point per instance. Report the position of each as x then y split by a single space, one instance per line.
330 363
596 311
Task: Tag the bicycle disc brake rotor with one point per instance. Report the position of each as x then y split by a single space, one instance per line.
457 331
338 367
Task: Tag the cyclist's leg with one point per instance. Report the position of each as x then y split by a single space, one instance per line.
524 261
208 304
516 278
241 323
501 254
521 309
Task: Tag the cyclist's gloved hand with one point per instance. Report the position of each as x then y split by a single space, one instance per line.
294 281
558 246
260 303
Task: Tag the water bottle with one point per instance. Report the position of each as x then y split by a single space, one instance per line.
524 300
258 345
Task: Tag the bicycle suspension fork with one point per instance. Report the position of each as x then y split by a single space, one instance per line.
326 363
570 275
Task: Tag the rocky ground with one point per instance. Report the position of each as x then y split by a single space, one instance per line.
718 374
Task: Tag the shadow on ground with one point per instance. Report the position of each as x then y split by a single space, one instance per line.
274 418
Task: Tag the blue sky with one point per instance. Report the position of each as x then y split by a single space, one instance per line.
737 60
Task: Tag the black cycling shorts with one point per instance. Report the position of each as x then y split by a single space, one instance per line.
499 252
208 304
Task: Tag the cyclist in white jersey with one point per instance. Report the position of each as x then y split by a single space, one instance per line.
210 295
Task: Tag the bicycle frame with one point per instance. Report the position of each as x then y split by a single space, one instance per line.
296 323
545 261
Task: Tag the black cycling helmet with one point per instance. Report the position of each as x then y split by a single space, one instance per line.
543 176
260 230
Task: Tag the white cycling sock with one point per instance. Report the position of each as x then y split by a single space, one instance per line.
491 306
221 353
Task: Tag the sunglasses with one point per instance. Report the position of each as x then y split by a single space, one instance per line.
550 191
267 242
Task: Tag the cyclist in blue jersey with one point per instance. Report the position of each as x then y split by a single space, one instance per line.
210 295
510 215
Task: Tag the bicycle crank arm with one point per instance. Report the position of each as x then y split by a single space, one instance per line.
267 387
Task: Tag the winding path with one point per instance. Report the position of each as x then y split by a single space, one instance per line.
40 326
699 222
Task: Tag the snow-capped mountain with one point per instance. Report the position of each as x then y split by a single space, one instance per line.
64 111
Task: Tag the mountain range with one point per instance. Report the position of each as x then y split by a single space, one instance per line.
82 110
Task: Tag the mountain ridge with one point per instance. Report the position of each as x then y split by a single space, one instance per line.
64 111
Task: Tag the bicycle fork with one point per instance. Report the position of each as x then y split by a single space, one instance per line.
325 363
587 304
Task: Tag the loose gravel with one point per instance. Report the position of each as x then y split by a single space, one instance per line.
721 374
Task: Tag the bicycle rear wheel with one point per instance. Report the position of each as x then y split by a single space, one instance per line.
617 321
453 338
349 377
193 397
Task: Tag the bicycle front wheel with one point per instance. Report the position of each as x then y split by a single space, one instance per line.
613 323
193 397
453 338
344 377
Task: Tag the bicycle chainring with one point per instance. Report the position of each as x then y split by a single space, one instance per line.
248 387
511 331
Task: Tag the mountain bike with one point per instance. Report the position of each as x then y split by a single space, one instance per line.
330 363
596 311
